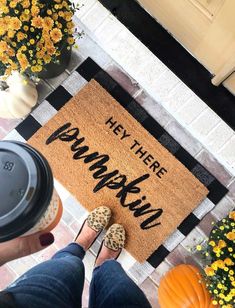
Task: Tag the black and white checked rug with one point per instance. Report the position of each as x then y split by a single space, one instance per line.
88 70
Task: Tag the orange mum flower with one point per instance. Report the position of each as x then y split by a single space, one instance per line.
3 46
20 36
230 236
222 244
232 215
35 10
37 22
228 262
209 271
15 23
51 51
56 35
48 22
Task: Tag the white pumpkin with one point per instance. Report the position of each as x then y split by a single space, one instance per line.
19 98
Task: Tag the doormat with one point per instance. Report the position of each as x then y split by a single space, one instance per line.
89 69
103 156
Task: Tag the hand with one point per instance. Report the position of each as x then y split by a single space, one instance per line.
24 246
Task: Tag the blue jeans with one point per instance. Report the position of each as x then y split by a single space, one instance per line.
58 283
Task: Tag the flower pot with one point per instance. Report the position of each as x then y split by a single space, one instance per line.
52 70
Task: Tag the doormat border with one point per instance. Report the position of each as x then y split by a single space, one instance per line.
174 56
88 70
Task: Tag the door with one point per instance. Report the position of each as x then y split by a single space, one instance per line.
206 28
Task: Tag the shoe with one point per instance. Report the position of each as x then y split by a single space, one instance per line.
114 239
97 220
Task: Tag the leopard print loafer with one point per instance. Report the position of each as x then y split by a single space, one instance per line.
115 237
99 218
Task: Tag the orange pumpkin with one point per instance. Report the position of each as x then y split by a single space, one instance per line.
180 288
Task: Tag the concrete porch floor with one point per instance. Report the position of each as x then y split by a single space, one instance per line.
174 106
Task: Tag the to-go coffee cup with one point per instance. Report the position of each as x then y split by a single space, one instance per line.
28 201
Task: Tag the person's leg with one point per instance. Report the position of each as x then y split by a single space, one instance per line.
59 282
54 283
111 287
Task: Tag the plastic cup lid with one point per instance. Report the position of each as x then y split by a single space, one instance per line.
20 189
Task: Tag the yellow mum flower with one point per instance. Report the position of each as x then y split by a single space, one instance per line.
24 17
71 41
13 4
65 4
11 33
23 48
209 271
37 22
38 68
216 249
212 243
4 9
55 16
230 236
56 35
68 16
33 69
214 266
61 13
25 4
47 59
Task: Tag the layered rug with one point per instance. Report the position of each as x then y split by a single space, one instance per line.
106 150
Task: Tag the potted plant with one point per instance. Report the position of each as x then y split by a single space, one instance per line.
219 256
212 283
36 36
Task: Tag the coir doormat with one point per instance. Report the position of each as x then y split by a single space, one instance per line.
103 156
